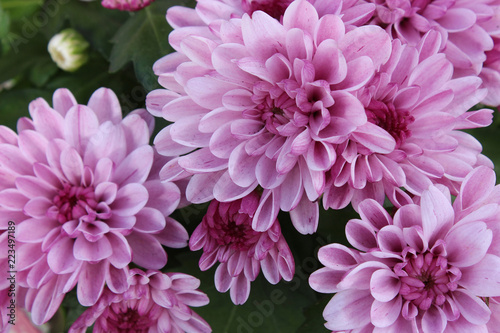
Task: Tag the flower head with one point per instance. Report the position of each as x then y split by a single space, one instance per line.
226 235
426 269
127 5
414 109
266 105
154 302
466 27
76 180
68 49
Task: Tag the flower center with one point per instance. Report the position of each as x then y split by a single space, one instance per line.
395 122
73 202
239 237
231 228
274 8
428 278
128 319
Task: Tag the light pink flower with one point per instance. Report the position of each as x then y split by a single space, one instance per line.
76 180
491 75
127 5
465 26
424 270
226 236
154 302
265 106
414 110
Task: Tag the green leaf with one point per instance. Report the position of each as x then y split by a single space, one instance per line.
143 39
314 317
21 9
42 71
4 30
22 55
270 308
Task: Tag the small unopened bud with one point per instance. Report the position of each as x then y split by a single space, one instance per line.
68 49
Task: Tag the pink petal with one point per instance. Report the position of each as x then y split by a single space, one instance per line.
173 235
337 257
476 187
34 145
91 283
130 199
46 121
122 254
370 40
361 235
63 100
467 243
483 278
147 251
305 217
384 286
349 309
325 280
105 105
80 124
437 213
60 257
360 276
471 307
302 15
434 320
384 314
240 289
91 251
372 212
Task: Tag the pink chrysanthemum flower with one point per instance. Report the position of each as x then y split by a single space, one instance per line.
427 269
127 5
491 75
416 108
465 26
266 106
77 183
226 235
154 302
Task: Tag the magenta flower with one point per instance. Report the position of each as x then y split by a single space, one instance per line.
427 269
414 110
154 302
127 5
77 183
465 27
265 106
226 235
